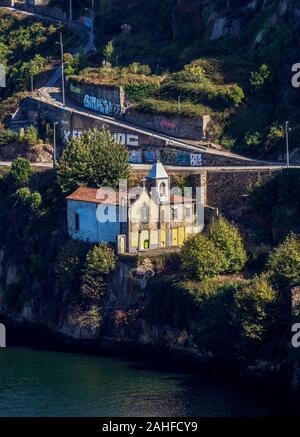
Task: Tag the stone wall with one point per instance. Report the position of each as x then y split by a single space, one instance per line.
111 100
229 191
106 100
145 148
181 127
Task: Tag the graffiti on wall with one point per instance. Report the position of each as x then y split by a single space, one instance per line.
127 139
151 155
71 135
136 157
101 105
182 158
75 89
196 159
169 125
122 138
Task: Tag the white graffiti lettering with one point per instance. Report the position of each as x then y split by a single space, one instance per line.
101 105
127 139
75 134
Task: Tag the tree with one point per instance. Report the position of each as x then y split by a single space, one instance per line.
108 52
100 262
201 258
28 198
228 240
284 261
275 137
254 304
20 171
262 78
96 159
31 135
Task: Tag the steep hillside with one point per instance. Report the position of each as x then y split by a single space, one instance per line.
252 44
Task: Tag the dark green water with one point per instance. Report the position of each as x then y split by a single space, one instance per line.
39 383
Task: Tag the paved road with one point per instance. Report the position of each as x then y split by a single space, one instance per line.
34 164
147 167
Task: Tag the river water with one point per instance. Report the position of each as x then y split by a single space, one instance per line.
39 383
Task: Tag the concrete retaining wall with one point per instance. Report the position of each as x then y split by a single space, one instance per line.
106 100
71 125
111 100
180 127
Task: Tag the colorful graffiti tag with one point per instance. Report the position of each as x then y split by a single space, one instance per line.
101 105
169 125
136 157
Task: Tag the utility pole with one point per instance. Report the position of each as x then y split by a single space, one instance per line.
287 129
62 69
92 12
71 11
93 23
179 103
54 143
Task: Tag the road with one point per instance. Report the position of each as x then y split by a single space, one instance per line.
51 94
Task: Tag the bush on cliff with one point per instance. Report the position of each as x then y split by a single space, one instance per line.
20 171
29 199
100 262
228 240
254 307
201 258
284 261
69 265
96 160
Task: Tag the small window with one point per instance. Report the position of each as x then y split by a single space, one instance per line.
187 213
175 213
145 213
163 189
77 222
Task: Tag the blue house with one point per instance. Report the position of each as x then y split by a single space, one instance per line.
84 216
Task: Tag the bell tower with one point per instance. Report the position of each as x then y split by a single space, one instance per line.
158 183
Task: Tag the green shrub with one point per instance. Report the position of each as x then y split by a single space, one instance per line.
261 78
31 135
20 171
284 261
100 262
139 91
137 68
28 198
7 136
254 305
201 258
171 107
228 240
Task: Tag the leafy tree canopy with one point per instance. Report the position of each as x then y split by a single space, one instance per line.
95 160
228 240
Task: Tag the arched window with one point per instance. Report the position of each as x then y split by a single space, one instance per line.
163 189
145 213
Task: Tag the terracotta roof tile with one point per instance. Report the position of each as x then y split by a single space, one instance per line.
101 196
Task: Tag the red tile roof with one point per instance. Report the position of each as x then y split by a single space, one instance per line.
95 195
102 196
